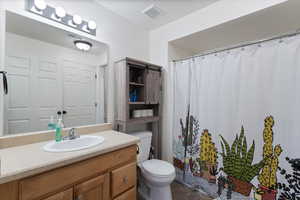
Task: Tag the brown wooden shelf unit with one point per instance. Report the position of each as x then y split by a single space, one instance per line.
138 87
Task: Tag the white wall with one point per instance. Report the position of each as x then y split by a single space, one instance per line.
213 15
122 37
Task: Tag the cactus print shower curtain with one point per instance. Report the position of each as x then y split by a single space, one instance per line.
236 119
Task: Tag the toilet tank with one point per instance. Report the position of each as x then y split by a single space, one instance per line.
144 145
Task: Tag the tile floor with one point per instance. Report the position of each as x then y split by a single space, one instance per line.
181 192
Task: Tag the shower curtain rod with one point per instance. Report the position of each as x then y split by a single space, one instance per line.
241 45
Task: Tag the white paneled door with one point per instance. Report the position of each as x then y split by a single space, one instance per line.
47 91
35 92
79 99
18 104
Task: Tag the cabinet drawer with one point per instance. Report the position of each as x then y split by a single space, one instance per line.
50 182
123 179
65 195
129 195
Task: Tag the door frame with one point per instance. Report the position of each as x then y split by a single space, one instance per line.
2 56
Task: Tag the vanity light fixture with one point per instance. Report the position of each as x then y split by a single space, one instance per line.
60 12
39 5
92 25
77 20
83 45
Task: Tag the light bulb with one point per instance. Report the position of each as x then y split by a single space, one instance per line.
60 12
40 4
77 20
92 25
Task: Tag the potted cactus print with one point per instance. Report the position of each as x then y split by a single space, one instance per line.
187 146
237 163
208 157
258 193
268 175
290 190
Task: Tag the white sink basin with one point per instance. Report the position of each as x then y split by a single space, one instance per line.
84 142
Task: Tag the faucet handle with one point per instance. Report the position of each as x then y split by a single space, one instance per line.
72 132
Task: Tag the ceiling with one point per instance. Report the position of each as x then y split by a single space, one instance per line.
276 20
171 10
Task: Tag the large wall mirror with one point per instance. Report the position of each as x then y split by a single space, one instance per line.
49 77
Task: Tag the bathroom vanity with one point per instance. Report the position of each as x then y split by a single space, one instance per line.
104 172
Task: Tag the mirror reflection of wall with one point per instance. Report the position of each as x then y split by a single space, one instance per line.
49 78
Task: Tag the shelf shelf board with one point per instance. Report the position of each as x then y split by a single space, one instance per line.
141 120
136 84
137 103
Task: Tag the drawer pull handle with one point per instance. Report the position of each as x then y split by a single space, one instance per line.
80 197
125 180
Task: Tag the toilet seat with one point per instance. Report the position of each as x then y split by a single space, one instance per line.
158 168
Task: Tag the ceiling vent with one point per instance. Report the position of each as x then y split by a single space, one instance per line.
152 11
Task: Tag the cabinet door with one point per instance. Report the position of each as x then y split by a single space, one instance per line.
93 189
153 84
65 195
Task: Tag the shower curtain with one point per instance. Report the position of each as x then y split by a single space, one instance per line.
236 119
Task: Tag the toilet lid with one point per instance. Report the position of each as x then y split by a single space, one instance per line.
158 167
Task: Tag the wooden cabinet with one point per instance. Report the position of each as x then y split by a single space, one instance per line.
93 189
153 86
64 195
99 178
138 88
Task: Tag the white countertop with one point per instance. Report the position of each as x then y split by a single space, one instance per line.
23 161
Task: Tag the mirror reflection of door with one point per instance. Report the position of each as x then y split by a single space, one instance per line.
79 97
45 78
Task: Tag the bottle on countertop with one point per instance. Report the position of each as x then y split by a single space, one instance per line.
58 132
51 124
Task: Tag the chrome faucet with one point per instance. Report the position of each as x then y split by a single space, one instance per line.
71 135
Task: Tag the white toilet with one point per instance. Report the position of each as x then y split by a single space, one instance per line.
156 175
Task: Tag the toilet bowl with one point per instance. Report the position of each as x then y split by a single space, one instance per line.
156 175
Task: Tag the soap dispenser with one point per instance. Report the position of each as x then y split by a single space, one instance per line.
51 124
58 132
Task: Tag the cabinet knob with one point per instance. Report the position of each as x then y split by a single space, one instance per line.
80 197
125 180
